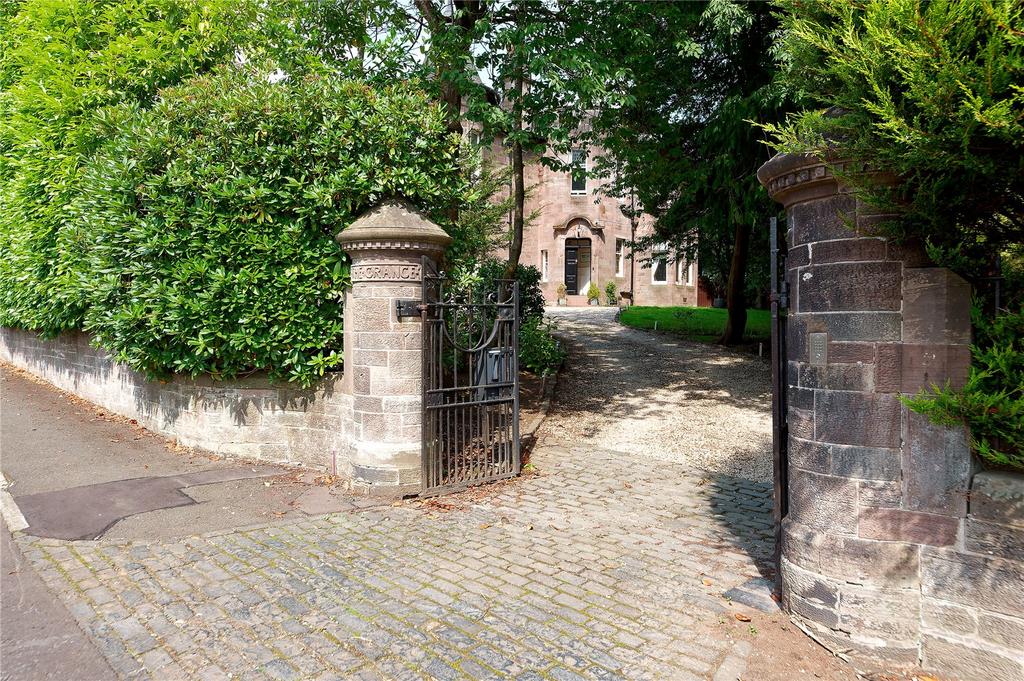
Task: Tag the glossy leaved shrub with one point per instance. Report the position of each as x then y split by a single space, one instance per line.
201 240
61 64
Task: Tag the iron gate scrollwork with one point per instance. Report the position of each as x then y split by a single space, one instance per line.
470 382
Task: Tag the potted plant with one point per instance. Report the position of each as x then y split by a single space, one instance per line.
609 290
594 294
562 291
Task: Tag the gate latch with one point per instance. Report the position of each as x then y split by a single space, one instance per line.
407 308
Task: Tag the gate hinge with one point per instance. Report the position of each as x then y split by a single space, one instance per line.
407 308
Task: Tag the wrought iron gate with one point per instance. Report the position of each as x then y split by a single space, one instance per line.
780 428
470 382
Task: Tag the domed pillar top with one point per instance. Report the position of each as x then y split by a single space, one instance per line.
383 363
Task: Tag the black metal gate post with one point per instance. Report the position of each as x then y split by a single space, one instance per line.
780 428
470 383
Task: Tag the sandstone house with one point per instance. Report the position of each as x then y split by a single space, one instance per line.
580 235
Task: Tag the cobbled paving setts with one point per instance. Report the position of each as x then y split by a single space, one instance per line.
595 567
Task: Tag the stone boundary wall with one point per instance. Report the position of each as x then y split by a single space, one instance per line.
889 554
972 593
247 417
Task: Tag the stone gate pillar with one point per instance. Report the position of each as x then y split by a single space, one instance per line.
876 493
382 352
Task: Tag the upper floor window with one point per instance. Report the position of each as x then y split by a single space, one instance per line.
659 264
543 265
620 257
579 172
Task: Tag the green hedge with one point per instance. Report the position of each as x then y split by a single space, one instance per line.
179 201
60 64
202 238
181 206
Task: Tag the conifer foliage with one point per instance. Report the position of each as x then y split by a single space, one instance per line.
930 97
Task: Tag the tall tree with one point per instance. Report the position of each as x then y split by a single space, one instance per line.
543 75
453 27
695 74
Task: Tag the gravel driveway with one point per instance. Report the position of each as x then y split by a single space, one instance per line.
660 398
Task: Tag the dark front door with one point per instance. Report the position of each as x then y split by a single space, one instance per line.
571 257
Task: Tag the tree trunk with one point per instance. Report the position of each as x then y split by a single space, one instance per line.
734 299
451 98
468 12
515 247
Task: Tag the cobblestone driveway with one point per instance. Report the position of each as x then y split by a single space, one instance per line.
594 567
592 570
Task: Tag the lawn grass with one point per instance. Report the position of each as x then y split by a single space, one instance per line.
702 324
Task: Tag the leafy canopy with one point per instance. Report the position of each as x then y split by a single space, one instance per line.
681 143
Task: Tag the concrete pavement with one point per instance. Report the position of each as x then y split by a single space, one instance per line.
79 472
39 639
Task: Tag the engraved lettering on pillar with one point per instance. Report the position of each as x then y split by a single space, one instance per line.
387 272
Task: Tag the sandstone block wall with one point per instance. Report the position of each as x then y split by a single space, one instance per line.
383 358
250 417
972 593
889 554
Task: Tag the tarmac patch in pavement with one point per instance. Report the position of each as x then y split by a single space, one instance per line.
87 511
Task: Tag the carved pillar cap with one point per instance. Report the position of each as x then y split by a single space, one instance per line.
393 224
794 178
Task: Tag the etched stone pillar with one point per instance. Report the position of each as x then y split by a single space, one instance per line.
382 352
874 490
